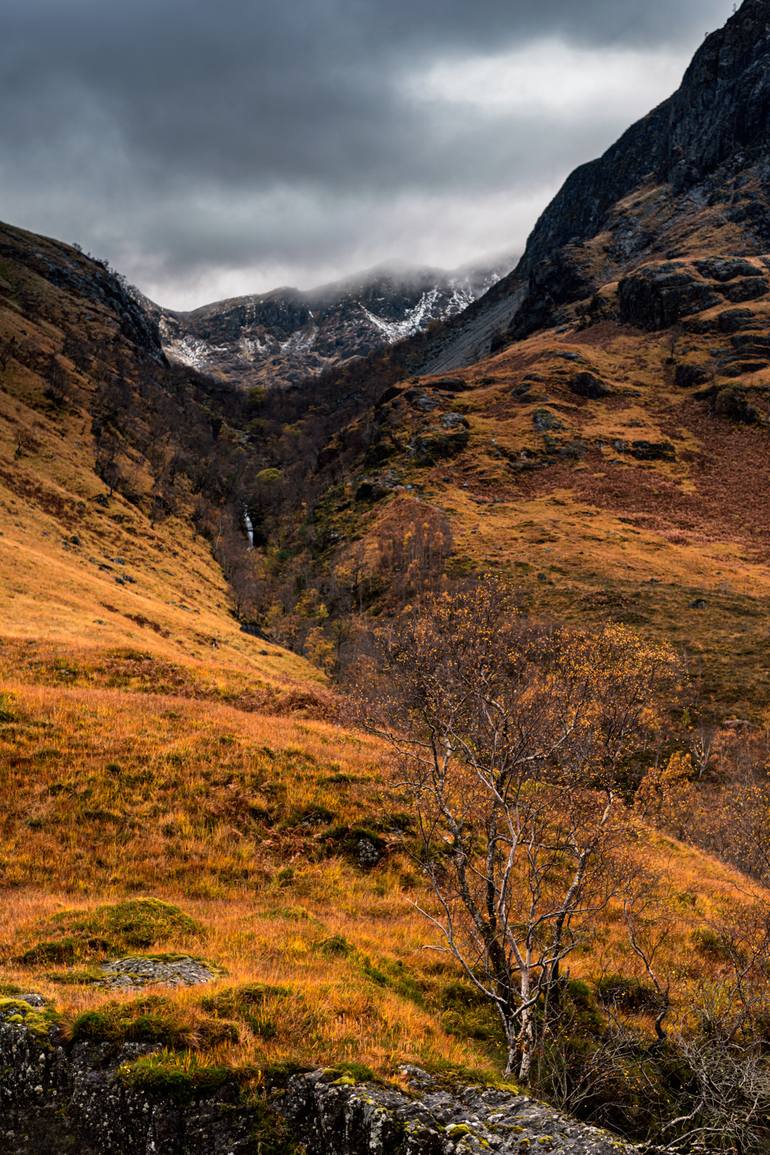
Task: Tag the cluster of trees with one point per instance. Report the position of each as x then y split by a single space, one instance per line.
518 747
717 795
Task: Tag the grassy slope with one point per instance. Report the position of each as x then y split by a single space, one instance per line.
138 758
250 823
680 548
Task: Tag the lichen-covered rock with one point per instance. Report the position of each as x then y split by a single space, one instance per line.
58 1097
142 971
334 1118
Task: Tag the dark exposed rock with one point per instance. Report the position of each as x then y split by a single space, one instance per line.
688 375
719 114
454 421
372 489
439 444
569 355
748 289
287 337
734 403
336 1119
733 320
389 395
425 403
254 631
451 385
58 1097
705 147
590 386
546 422
657 296
725 268
647 450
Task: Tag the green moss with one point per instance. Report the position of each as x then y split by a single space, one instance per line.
181 1077
36 1019
454 1073
457 1130
84 977
76 935
150 1020
351 1073
336 946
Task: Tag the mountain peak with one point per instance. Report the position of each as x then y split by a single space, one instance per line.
287 336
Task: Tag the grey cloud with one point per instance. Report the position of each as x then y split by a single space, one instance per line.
173 134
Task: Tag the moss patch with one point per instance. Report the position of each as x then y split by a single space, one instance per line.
151 1020
38 1020
75 935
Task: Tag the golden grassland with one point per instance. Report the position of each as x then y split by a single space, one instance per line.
678 547
251 824
88 582
149 748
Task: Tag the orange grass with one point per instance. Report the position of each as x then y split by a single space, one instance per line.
108 793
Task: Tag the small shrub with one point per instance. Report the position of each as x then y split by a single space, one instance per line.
312 815
7 708
59 952
173 1076
335 947
354 1072
154 1020
236 1002
711 945
628 994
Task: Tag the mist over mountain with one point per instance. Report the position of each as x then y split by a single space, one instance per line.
286 337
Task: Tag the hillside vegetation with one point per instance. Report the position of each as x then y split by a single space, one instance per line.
420 716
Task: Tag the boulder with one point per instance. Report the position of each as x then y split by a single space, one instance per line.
590 386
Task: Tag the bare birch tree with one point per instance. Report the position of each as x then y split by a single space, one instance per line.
511 741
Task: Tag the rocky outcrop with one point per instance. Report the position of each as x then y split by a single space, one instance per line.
335 1118
57 1097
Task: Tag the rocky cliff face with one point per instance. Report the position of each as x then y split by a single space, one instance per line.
691 177
284 337
56 1098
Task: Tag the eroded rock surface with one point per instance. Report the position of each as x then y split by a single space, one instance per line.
57 1097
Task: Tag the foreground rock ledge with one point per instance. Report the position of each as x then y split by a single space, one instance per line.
57 1098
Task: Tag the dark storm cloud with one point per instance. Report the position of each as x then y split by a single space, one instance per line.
189 140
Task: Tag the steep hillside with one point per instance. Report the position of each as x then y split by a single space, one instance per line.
612 454
176 814
287 337
103 562
209 875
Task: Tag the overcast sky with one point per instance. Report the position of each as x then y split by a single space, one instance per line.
214 147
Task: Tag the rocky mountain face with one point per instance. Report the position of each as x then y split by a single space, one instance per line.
691 176
286 336
596 424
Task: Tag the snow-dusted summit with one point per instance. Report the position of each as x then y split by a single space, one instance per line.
286 336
